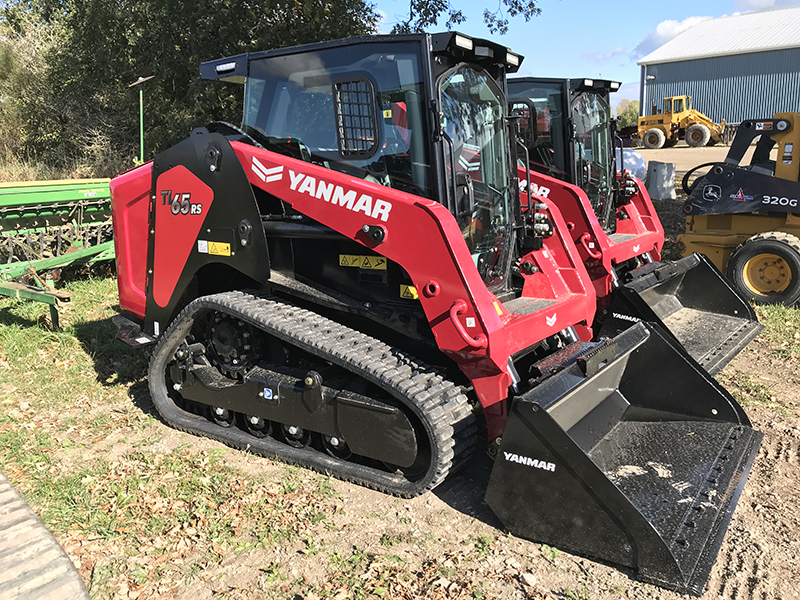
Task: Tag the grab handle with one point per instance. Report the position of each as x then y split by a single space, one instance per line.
585 240
459 308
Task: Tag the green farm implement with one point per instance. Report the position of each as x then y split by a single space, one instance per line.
49 225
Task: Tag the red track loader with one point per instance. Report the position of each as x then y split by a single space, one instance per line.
612 221
347 282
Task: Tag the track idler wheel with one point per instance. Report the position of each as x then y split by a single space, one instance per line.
222 416
336 446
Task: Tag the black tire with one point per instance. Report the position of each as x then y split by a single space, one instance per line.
654 139
670 143
766 268
697 135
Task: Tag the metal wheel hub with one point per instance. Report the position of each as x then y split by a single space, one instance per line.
767 274
231 344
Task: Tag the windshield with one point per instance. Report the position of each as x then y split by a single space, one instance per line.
593 153
477 165
359 111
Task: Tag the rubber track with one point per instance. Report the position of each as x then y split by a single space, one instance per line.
33 566
437 402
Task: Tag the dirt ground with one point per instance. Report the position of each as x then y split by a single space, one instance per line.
685 157
448 544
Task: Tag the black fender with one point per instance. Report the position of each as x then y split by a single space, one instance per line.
202 212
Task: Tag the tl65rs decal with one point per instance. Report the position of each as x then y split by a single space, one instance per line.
181 204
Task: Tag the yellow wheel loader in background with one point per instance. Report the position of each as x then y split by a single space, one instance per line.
679 120
745 218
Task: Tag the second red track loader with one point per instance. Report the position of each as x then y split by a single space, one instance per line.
348 282
567 130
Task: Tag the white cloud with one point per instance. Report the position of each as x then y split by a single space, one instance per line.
599 57
382 26
665 31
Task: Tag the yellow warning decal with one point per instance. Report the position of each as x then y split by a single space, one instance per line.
219 248
409 292
387 114
498 309
376 263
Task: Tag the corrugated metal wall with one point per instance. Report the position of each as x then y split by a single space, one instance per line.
734 88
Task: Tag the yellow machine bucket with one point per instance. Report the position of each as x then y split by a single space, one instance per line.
630 454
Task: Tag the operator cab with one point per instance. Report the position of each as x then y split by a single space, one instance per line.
425 114
677 104
567 127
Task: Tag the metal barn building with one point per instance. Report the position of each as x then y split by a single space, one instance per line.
741 67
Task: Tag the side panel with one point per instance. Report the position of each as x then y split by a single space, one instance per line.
130 193
181 201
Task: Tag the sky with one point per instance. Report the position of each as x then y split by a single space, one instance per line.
590 38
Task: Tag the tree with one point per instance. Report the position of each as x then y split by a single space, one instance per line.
627 113
88 113
426 13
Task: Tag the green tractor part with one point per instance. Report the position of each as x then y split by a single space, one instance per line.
47 225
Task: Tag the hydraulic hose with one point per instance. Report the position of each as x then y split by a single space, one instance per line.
688 189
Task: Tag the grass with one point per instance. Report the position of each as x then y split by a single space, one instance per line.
781 329
749 392
581 594
549 553
151 519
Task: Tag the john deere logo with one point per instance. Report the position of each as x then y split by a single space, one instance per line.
712 193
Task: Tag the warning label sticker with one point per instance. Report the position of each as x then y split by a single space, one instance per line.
377 263
219 248
762 126
409 292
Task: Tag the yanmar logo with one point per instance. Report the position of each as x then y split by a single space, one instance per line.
625 317
336 194
530 462
264 174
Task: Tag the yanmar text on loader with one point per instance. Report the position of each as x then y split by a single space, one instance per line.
348 282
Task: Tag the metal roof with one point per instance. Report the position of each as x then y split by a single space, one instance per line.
737 34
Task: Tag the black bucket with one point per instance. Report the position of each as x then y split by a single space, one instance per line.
694 302
631 454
